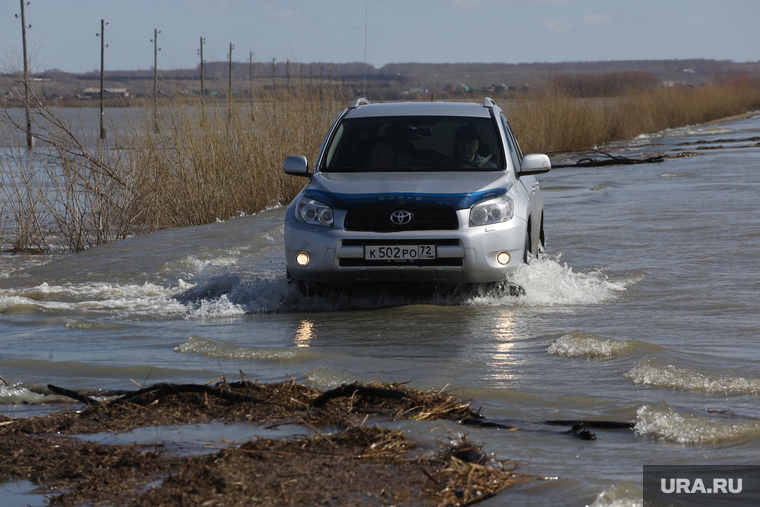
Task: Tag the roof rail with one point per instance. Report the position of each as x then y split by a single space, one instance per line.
489 103
358 102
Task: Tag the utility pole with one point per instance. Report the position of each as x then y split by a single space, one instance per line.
156 49
321 83
29 137
229 87
102 71
250 79
273 71
203 73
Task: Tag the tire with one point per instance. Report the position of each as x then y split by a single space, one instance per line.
310 289
542 238
306 289
527 251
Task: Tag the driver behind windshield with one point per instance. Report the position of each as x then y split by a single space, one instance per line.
466 145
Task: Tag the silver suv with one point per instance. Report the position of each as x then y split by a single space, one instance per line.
415 192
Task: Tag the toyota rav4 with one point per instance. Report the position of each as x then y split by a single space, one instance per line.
415 192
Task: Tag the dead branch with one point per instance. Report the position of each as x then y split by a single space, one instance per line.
355 388
484 423
159 391
606 425
162 390
72 394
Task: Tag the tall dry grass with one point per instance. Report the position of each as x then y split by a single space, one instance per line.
204 163
552 120
218 162
214 162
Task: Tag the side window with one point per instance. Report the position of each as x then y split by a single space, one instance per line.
513 150
331 159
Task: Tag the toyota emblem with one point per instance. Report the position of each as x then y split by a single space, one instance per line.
401 217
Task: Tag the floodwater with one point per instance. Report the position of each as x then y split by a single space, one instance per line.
644 310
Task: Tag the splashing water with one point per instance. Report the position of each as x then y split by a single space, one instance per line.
547 282
662 421
581 344
218 292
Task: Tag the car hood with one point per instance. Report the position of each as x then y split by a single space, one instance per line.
456 189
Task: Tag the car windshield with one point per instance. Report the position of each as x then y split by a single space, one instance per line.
414 143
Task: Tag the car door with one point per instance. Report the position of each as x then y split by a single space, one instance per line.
526 184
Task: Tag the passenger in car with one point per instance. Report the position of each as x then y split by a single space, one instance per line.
466 144
381 156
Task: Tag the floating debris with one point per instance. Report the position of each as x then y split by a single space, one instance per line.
606 159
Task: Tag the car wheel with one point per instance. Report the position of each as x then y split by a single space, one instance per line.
306 289
527 252
310 289
542 238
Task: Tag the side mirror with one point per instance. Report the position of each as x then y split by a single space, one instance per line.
296 165
535 163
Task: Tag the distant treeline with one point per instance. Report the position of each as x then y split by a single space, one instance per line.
698 65
324 70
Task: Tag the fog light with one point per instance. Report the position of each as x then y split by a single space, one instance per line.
302 258
502 258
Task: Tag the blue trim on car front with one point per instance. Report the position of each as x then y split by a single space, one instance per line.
406 199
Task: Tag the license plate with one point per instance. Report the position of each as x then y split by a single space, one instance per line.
399 252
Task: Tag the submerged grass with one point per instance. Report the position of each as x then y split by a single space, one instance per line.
194 163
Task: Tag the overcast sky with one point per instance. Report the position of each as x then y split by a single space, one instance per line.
63 33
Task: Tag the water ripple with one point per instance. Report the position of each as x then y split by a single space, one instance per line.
649 373
662 421
581 344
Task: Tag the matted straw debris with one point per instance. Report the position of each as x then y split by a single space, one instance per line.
357 464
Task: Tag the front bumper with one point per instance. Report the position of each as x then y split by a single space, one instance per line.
465 255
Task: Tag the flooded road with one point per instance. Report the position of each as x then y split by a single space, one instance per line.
643 310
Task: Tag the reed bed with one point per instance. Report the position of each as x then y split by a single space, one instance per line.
215 163
195 165
191 163
552 120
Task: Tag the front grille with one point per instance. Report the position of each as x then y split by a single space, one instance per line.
379 219
415 241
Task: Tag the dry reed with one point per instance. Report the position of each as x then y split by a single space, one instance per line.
554 121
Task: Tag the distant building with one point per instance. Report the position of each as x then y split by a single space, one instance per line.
460 88
109 92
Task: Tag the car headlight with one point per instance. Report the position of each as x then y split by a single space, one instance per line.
494 211
311 211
